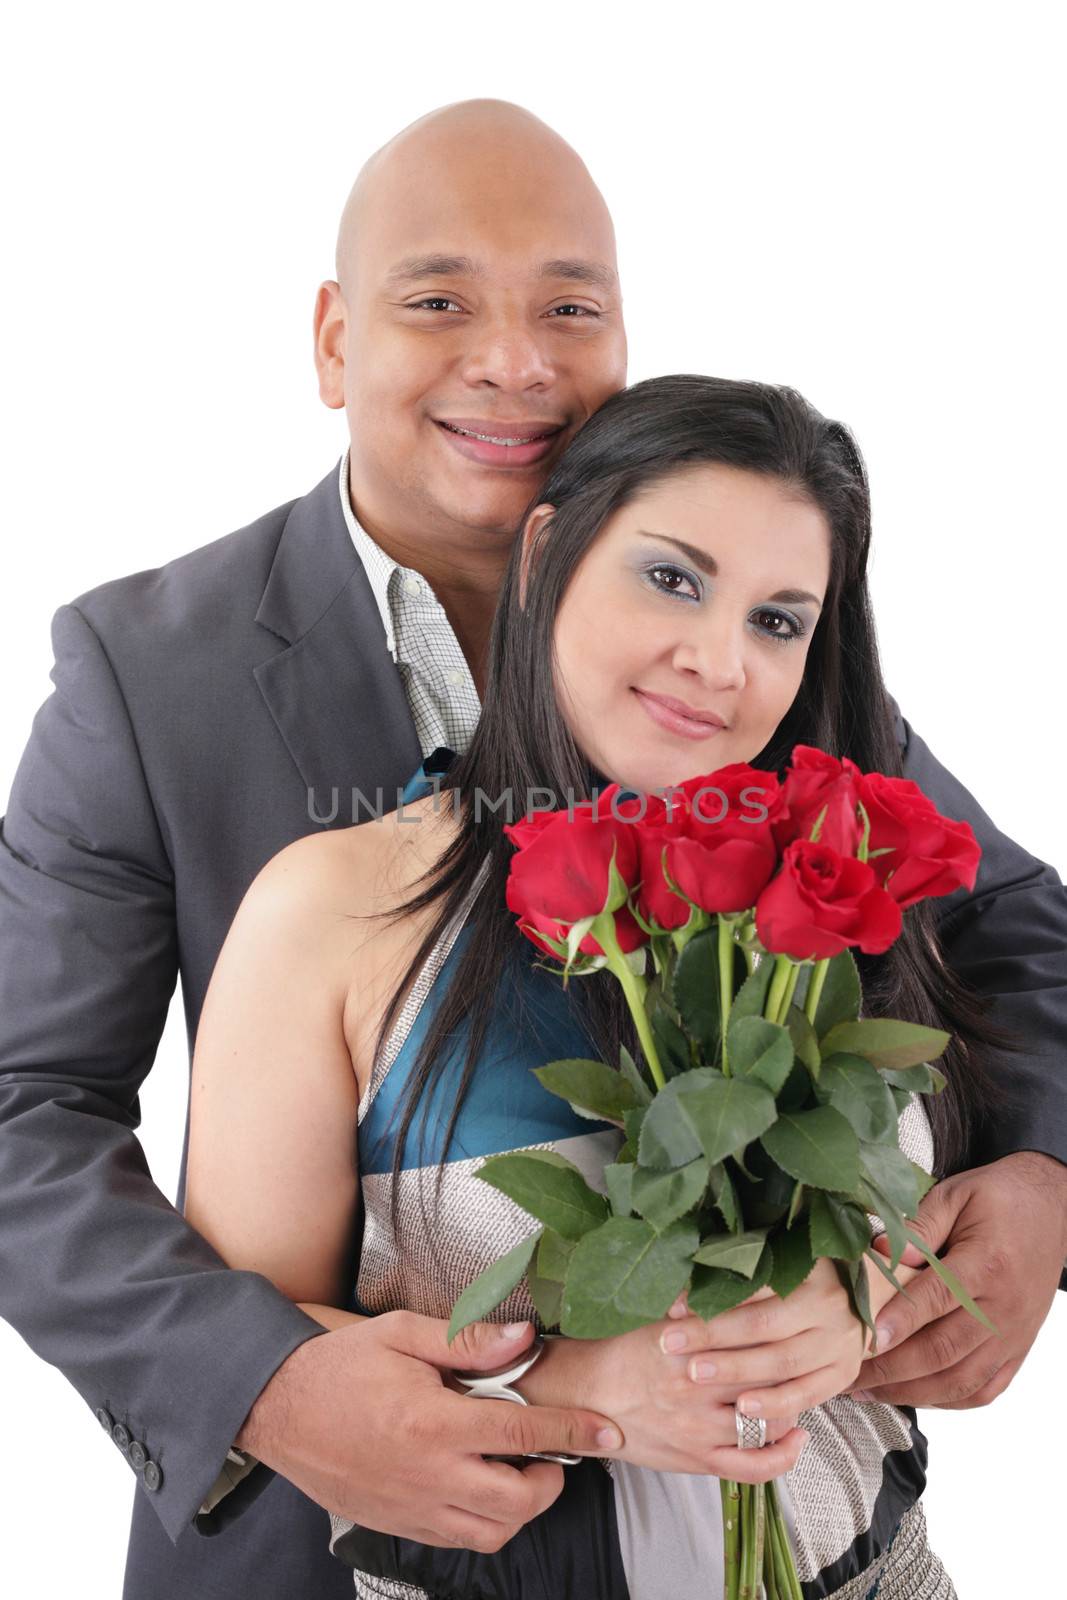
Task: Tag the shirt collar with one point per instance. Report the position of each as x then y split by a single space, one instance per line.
378 566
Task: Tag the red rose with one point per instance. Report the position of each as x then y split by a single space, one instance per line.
821 902
720 853
929 854
815 780
561 874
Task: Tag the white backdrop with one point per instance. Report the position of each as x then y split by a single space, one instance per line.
859 201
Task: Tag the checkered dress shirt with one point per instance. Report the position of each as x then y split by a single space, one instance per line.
437 680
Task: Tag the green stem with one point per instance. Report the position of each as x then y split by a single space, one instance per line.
748 1544
818 978
787 1577
633 987
779 979
731 1528
726 981
770 1564
759 1496
790 990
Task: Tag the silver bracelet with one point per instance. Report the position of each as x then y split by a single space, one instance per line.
496 1385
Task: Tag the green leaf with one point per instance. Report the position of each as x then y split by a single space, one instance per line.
619 1179
672 1046
633 1075
760 1050
889 1170
837 1229
696 991
554 1255
805 1044
886 1042
795 1204
549 1188
951 1282
858 1090
668 1137
725 1196
841 994
924 1180
623 1275
751 998
547 1296
880 1205
922 1079
817 1147
792 1259
590 1086
715 1290
854 1275
662 1197
492 1286
737 1252
728 1113
887 1272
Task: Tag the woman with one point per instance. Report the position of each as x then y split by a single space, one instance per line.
690 592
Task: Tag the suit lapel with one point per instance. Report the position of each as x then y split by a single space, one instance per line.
334 692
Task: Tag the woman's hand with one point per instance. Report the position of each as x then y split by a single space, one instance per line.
667 1422
776 1357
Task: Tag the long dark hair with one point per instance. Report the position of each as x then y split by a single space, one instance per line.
641 435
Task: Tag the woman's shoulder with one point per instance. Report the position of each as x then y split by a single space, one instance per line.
365 867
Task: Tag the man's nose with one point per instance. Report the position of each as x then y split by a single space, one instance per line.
509 354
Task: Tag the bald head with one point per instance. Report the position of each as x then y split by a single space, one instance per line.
460 167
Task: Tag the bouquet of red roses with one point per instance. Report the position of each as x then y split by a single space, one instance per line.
761 1123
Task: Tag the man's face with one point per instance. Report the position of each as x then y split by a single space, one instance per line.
483 326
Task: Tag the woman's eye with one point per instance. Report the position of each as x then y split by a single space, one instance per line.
671 581
779 626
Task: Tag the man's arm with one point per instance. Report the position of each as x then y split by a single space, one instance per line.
99 1273
1001 1226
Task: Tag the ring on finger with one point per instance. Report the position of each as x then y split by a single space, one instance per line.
751 1431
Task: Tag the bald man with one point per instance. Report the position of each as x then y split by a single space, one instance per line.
211 711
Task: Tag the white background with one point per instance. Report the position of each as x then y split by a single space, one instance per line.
861 202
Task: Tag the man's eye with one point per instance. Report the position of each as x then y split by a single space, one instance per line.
570 310
435 302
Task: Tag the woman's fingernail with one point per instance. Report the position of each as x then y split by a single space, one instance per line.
749 1408
514 1330
609 1438
885 1333
861 1397
701 1371
672 1341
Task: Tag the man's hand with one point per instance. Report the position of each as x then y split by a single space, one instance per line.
1006 1227
362 1420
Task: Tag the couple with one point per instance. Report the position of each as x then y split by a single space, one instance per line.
206 711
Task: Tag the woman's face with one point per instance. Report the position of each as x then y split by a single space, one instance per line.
681 640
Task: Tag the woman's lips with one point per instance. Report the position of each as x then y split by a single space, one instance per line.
674 721
491 454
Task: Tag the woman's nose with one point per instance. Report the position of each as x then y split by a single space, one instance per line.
715 654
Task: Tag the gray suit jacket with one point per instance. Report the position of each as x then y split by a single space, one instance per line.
195 707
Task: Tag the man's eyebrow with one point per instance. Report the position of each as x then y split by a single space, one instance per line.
707 563
435 266
594 272
442 266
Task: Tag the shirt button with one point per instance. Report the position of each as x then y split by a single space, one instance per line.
105 1419
153 1477
138 1454
455 677
121 1436
412 586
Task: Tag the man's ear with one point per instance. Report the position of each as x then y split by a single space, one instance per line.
532 536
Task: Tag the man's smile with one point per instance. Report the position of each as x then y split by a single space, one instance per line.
494 442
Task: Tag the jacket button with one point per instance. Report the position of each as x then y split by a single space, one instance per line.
138 1454
153 1477
121 1436
105 1419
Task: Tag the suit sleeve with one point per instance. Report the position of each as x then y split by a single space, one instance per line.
99 1273
1007 938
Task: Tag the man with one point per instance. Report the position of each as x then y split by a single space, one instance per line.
203 714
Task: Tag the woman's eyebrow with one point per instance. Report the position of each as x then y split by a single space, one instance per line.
707 563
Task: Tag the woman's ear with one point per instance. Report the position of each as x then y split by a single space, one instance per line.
532 535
